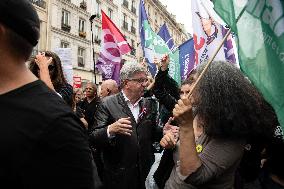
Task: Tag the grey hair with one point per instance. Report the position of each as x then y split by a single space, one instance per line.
129 69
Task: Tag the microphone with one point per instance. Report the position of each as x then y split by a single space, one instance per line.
92 17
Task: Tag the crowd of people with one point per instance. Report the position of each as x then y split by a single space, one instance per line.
143 133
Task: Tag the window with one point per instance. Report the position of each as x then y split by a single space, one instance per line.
125 3
132 22
109 13
65 17
35 50
133 6
81 57
132 43
133 50
125 24
98 8
124 17
133 29
133 3
64 44
81 25
97 33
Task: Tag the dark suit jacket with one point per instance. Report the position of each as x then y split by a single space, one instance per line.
127 159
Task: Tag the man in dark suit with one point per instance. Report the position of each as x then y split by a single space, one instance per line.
125 130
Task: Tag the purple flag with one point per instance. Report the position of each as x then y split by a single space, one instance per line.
228 47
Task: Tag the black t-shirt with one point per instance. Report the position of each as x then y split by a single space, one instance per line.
89 110
42 142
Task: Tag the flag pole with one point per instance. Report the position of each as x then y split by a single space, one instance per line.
93 48
214 55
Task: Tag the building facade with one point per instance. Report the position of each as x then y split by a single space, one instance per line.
70 28
158 15
66 24
41 7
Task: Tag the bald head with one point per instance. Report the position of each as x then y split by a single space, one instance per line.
108 87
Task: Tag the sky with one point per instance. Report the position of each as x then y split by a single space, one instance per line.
182 10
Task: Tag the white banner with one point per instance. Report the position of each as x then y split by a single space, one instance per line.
207 33
66 62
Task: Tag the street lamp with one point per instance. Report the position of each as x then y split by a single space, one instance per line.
93 49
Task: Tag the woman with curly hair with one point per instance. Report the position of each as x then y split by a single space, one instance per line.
228 114
47 66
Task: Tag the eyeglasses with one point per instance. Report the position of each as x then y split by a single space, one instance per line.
140 80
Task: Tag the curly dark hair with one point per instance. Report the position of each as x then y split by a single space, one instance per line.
57 78
230 106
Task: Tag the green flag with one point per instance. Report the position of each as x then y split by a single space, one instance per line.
260 34
155 46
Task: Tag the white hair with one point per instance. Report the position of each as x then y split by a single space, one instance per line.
129 69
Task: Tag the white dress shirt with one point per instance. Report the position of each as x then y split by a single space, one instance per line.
134 108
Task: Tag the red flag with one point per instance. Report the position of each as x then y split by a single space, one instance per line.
113 46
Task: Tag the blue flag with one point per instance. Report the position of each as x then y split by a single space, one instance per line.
165 35
186 58
154 46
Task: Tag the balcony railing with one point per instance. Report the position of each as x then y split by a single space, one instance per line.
125 25
133 9
133 30
125 3
65 27
40 3
81 62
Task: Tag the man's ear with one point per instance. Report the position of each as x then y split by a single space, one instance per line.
125 83
108 91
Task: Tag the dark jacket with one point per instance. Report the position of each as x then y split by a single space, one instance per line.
166 90
127 159
89 110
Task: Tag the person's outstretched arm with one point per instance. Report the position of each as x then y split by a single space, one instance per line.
43 62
